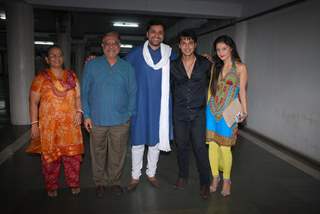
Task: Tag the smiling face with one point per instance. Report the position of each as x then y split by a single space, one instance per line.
187 46
55 58
111 45
224 51
155 35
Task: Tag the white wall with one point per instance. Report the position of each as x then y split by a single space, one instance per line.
205 42
252 7
282 53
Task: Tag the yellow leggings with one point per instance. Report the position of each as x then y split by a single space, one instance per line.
220 158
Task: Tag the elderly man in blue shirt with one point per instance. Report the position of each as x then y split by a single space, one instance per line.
109 100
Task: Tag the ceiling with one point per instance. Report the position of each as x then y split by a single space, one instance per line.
89 24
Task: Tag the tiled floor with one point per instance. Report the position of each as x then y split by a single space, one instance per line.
261 183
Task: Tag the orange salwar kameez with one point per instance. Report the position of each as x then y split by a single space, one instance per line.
60 139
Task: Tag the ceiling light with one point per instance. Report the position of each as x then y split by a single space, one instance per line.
43 43
125 24
3 15
126 46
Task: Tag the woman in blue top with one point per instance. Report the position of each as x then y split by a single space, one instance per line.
228 82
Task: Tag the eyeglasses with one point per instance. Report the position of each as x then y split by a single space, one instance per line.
55 55
109 44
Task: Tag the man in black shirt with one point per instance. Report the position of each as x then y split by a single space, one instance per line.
190 75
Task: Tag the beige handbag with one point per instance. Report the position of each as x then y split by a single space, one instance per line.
232 112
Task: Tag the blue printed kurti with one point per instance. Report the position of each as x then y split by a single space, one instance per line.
217 128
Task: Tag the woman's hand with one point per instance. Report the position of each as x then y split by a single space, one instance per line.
207 56
89 58
78 119
35 132
242 117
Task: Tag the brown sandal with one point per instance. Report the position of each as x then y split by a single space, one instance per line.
75 190
53 193
132 185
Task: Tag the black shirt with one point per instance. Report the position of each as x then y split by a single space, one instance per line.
189 95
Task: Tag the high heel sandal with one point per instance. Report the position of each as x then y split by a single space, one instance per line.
226 193
215 183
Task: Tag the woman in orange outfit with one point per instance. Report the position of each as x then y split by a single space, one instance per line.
55 113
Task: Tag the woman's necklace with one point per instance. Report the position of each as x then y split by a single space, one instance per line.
60 87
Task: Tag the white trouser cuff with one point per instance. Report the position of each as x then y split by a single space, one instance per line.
137 161
153 157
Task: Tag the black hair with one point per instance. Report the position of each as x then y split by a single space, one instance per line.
48 51
218 63
52 47
188 33
155 22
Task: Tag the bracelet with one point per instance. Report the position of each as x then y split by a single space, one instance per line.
34 122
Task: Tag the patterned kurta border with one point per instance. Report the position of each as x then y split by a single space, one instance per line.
223 141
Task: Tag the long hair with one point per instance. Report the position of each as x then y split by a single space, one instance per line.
218 63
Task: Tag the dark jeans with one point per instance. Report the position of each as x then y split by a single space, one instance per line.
192 134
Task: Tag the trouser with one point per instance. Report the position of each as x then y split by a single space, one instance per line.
192 134
108 145
51 171
137 160
220 159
